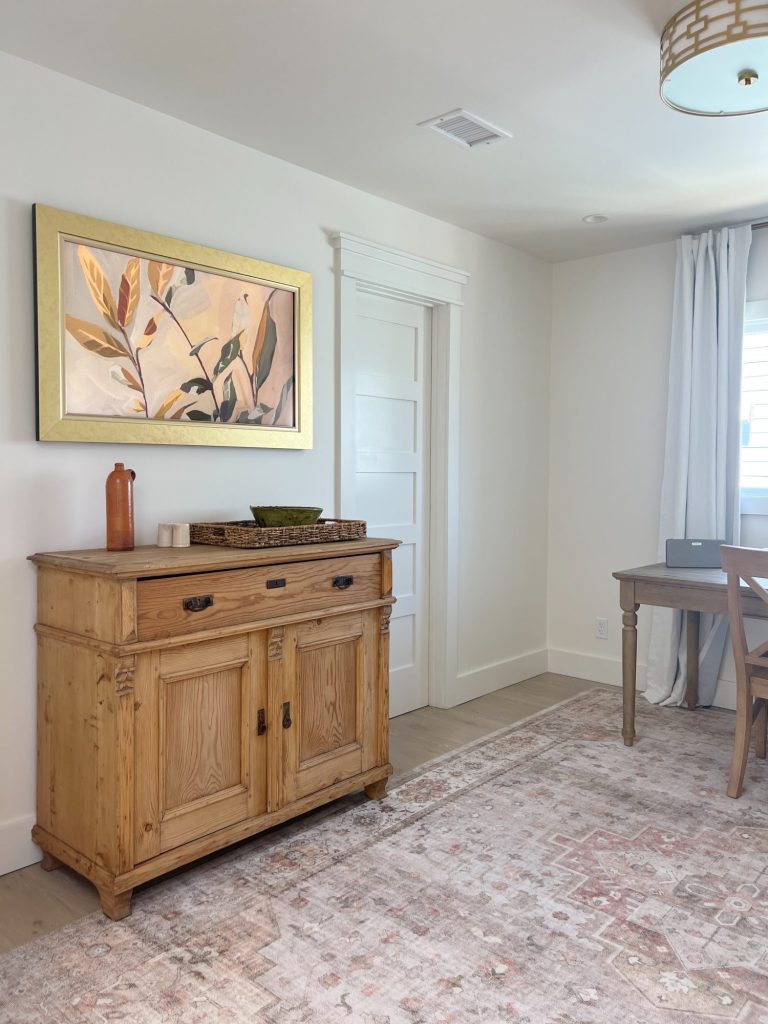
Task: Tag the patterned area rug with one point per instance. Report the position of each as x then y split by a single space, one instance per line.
546 875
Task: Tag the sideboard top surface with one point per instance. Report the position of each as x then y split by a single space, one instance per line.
153 561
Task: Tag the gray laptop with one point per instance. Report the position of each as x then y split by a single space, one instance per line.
693 554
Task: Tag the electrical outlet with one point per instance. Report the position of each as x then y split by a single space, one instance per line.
601 629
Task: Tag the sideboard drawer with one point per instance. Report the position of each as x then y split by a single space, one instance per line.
172 606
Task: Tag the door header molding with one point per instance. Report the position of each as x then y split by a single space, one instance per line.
414 276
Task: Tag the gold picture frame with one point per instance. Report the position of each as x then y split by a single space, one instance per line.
144 339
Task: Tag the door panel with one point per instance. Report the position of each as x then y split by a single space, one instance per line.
199 764
385 468
329 674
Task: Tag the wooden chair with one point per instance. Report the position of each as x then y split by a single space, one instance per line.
750 565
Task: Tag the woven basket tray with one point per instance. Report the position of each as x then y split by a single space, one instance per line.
246 534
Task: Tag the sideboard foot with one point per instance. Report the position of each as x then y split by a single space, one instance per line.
376 790
116 906
50 863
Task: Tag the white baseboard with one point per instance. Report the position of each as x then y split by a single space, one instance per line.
590 666
16 848
725 694
608 670
477 682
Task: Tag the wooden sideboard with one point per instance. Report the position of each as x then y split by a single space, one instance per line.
189 698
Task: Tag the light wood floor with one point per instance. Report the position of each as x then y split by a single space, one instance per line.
33 902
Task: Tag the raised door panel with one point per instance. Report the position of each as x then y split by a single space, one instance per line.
328 677
201 764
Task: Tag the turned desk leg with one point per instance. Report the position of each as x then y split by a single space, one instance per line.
376 790
115 906
629 659
692 623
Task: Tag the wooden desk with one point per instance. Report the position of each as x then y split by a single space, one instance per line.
692 590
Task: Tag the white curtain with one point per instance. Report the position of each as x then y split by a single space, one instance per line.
700 490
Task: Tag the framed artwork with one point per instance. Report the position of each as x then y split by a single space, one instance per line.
146 339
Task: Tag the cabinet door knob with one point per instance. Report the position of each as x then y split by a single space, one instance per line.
261 722
198 604
343 582
287 720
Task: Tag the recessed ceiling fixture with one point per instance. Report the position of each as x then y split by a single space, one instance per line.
594 218
714 58
465 128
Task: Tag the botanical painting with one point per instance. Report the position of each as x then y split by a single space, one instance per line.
145 339
148 339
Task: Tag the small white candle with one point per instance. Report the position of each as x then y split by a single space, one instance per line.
164 535
181 535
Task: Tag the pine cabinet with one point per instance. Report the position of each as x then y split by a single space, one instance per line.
191 698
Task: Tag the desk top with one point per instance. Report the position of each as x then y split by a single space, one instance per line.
714 579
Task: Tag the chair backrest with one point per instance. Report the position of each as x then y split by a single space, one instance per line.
750 565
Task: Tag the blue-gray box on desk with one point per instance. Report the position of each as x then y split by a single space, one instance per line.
693 554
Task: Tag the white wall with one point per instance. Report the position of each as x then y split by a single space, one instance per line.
610 360
69 145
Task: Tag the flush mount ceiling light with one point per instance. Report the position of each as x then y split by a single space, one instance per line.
714 58
594 218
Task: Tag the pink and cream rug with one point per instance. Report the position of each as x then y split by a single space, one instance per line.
546 875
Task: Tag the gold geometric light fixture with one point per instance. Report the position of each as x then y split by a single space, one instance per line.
714 58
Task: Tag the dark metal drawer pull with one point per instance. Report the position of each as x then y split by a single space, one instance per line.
287 720
198 604
275 584
261 722
343 582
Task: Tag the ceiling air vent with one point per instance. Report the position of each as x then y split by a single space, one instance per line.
466 129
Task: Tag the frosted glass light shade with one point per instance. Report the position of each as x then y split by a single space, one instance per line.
705 49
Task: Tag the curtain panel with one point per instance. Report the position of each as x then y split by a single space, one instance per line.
700 490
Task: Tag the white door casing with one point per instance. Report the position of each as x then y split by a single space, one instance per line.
378 270
389 488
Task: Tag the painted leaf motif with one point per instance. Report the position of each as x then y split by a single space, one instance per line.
189 300
198 414
181 410
95 339
252 418
98 285
283 398
227 406
197 386
169 402
229 351
159 275
130 290
261 337
267 354
125 377
137 405
149 334
196 348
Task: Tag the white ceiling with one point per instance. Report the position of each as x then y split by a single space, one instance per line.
339 85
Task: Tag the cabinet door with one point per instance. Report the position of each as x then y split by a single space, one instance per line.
327 678
200 763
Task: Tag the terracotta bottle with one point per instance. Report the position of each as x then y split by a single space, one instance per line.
120 508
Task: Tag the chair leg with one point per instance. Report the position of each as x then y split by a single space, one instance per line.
741 741
761 726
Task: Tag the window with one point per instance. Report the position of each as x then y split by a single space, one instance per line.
754 411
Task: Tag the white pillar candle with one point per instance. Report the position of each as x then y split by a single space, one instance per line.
164 535
181 535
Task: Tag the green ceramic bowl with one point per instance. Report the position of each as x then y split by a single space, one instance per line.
285 515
